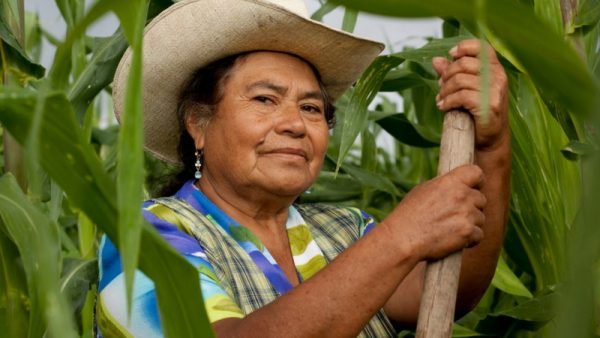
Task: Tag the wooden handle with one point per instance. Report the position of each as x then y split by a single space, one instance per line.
436 313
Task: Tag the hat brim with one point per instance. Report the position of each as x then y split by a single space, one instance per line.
176 45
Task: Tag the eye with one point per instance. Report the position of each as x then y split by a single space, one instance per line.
311 108
263 99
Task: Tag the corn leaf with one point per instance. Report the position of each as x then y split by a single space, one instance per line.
349 20
325 9
98 73
77 279
17 57
36 237
549 12
13 287
507 281
406 132
519 29
73 164
130 161
355 117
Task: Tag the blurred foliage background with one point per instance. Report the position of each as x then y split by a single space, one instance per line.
66 178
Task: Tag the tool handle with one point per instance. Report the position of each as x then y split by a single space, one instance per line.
436 313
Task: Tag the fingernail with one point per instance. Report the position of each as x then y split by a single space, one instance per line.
440 81
437 98
452 51
440 103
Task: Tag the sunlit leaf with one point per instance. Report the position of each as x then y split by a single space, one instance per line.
507 281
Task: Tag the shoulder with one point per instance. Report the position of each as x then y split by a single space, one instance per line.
326 214
326 211
330 216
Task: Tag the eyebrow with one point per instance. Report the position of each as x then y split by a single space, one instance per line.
281 90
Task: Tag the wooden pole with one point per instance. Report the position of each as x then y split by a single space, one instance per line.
436 314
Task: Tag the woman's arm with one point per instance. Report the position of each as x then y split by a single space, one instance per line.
459 88
340 299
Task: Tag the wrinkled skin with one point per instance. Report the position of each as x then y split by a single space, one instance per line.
266 144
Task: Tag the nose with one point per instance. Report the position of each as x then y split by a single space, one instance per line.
290 121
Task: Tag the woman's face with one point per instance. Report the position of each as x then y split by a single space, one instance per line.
269 133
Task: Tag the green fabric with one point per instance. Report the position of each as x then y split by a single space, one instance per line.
334 229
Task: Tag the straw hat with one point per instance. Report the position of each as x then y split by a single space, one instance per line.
192 33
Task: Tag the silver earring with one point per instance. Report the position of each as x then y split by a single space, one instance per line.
198 164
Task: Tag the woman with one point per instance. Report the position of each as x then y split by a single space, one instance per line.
253 93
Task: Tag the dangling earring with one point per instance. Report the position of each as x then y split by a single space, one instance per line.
198 164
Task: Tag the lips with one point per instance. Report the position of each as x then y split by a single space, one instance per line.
288 151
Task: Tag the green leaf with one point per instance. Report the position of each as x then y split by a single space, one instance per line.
74 165
371 179
575 150
588 14
368 160
17 57
355 117
325 9
549 12
349 20
130 160
519 30
330 187
435 47
538 309
406 132
13 290
461 331
36 237
77 279
98 73
400 79
507 281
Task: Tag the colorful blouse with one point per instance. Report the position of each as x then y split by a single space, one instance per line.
174 219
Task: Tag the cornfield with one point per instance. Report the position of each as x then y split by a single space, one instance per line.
66 178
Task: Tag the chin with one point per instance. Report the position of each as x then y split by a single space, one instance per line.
290 188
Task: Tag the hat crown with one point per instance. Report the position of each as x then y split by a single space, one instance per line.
295 6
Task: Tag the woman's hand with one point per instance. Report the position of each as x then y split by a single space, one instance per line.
442 215
460 85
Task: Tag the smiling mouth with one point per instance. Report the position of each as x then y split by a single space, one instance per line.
288 152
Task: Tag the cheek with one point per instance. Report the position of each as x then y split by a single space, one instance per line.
320 142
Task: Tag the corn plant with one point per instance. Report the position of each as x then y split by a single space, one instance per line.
64 181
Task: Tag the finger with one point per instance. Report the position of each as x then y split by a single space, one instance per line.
475 238
472 47
479 199
440 64
466 98
469 174
465 64
458 82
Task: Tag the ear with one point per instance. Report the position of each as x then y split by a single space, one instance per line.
196 131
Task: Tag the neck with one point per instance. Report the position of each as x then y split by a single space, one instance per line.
258 211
